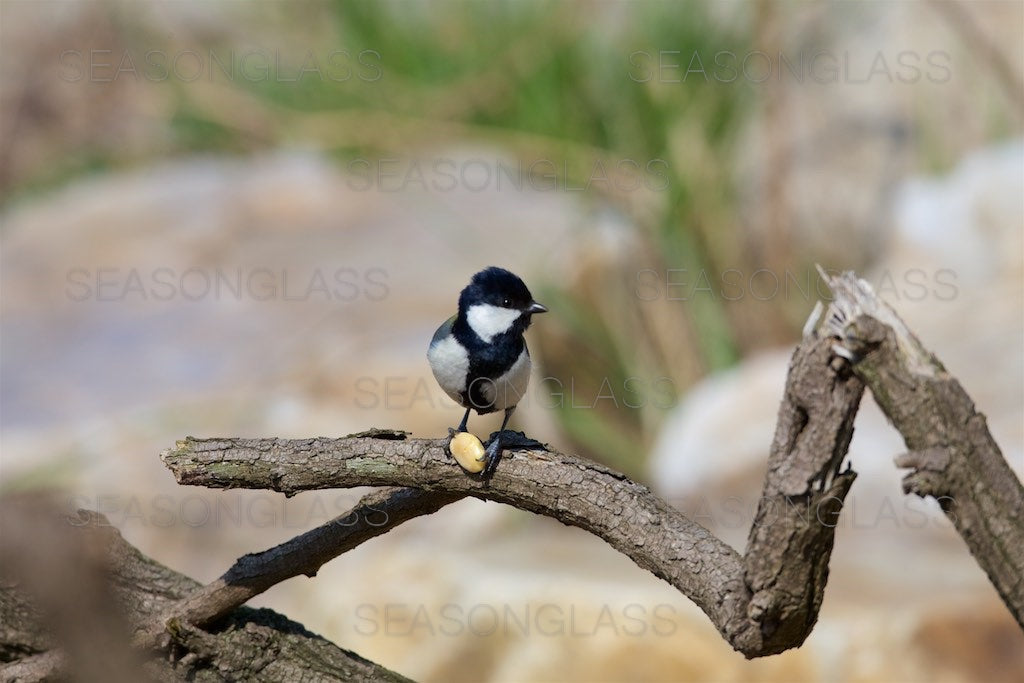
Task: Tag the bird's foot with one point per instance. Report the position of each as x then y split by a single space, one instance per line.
515 440
505 440
492 456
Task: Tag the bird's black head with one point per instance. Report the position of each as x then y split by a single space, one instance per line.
499 295
497 287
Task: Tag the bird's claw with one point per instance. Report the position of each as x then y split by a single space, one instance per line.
492 456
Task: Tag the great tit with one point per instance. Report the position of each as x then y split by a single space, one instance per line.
479 356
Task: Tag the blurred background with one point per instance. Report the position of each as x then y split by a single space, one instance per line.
247 218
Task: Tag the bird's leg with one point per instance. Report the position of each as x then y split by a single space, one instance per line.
465 419
494 447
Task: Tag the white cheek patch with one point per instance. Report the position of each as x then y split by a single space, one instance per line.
489 321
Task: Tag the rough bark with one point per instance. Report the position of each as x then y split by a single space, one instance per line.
803 494
952 455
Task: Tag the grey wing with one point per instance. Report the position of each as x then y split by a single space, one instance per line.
443 331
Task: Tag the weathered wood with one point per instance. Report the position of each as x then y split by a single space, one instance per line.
952 455
761 604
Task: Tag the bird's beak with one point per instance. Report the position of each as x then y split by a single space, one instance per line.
535 307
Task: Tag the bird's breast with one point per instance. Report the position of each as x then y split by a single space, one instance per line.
510 387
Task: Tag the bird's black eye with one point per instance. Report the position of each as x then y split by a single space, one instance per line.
506 302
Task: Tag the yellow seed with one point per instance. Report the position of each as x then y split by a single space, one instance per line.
468 452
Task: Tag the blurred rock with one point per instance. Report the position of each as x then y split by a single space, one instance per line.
862 98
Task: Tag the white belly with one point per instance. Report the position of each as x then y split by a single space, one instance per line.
507 390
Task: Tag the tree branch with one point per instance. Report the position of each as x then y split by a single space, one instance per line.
759 608
54 621
375 513
803 494
953 456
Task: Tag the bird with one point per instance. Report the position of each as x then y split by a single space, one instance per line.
479 357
